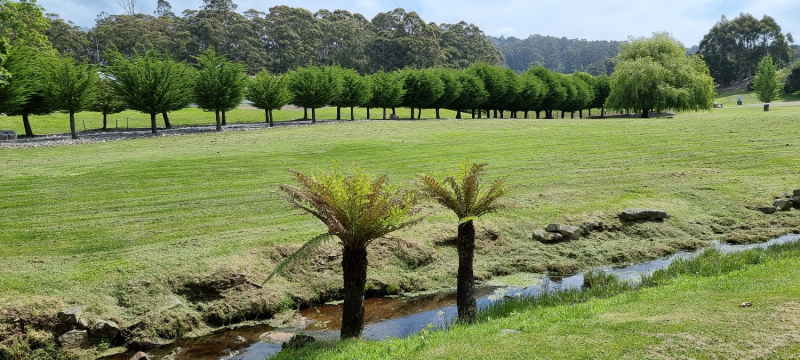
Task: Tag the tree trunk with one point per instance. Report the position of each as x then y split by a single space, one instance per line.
27 123
313 115
495 114
367 113
219 124
537 114
105 121
271 124
572 115
480 113
590 112
580 114
412 113
458 114
603 111
420 114
167 124
645 114
338 112
502 116
305 113
473 113
394 111
266 116
526 114
437 113
384 113
153 126
72 125
352 114
465 293
354 273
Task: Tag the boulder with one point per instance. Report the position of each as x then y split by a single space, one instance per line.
572 232
141 355
9 135
275 337
552 227
593 226
297 342
104 329
74 339
796 202
547 237
643 215
71 316
783 204
795 192
767 209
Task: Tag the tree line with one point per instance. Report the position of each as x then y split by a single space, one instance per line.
282 39
559 54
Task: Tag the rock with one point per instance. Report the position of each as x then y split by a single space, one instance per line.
547 237
796 193
782 204
8 135
796 202
104 329
593 226
552 227
746 304
643 214
72 316
140 356
333 256
572 232
297 342
74 339
767 209
275 337
239 339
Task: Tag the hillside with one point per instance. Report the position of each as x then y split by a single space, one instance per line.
559 54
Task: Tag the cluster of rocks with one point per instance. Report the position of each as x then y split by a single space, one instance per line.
286 340
783 203
8 135
79 333
554 233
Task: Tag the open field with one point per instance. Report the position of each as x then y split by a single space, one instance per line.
690 316
134 228
728 98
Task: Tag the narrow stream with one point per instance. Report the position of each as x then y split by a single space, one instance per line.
400 317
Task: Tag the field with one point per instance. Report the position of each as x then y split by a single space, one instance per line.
729 98
135 229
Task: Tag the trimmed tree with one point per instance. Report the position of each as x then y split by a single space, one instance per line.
24 93
107 101
465 194
356 91
472 95
556 93
452 89
422 88
654 74
70 87
357 208
387 90
530 95
602 88
587 85
149 84
313 87
496 83
268 92
767 83
219 85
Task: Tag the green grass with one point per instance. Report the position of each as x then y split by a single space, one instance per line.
693 313
125 226
729 98
58 123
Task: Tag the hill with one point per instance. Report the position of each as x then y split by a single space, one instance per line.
559 54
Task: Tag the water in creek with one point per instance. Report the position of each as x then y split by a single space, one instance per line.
399 317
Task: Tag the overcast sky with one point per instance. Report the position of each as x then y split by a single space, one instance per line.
688 20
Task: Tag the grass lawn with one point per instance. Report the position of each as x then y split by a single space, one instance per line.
729 98
691 317
129 228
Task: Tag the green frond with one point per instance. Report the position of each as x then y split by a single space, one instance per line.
302 253
463 192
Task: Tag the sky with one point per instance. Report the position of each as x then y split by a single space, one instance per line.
687 20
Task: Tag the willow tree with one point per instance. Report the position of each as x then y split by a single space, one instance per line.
654 74
466 194
268 92
219 85
767 83
70 87
357 208
150 84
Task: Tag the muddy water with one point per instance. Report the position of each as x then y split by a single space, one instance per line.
399 317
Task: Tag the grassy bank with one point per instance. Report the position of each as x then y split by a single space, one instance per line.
138 230
729 98
693 313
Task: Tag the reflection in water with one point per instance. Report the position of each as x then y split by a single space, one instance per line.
399 317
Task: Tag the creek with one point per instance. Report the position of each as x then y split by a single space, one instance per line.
403 316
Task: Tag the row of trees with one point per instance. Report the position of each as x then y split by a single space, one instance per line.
282 39
733 48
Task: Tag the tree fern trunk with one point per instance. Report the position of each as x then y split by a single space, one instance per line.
465 294
354 266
